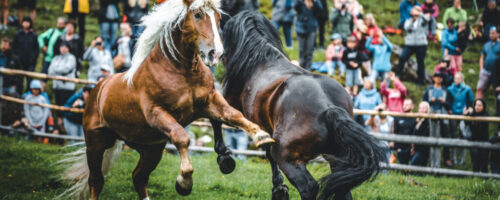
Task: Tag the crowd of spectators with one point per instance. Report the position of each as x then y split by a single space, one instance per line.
359 48
359 52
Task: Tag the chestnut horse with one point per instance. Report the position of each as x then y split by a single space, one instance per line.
308 115
167 87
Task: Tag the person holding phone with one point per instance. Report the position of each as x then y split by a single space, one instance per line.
97 56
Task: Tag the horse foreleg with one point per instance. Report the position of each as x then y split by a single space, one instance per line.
164 122
219 109
224 159
280 190
150 157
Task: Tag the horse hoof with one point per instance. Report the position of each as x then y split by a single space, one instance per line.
280 193
264 142
182 191
226 163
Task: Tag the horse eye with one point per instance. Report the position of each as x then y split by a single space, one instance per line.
197 16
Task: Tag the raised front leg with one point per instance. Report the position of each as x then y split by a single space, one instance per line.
224 159
164 122
219 109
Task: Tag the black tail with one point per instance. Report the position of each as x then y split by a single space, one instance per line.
357 155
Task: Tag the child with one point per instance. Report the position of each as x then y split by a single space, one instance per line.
431 10
352 58
334 54
381 57
464 36
444 68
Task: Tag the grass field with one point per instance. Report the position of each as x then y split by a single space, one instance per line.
27 171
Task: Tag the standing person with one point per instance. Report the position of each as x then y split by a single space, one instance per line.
490 55
306 29
367 99
47 41
439 99
420 153
490 18
4 6
405 9
382 124
342 21
495 155
30 4
11 84
381 56
352 59
431 9
456 12
134 10
25 47
73 121
415 42
123 48
98 57
463 37
108 21
283 16
449 45
334 54
322 19
77 9
462 97
393 92
404 126
479 130
63 64
75 43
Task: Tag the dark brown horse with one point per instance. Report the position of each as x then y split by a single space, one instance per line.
308 115
168 86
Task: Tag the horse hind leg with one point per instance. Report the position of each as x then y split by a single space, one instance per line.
97 142
150 156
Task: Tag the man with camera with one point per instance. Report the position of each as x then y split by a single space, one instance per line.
98 57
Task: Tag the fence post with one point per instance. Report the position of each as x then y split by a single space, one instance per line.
435 152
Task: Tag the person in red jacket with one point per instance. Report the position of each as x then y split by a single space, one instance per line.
393 92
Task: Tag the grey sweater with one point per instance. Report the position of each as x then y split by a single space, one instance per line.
97 59
416 31
63 65
36 115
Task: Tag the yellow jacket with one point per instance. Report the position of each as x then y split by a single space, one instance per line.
83 6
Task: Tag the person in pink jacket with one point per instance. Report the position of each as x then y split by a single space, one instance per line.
393 92
431 7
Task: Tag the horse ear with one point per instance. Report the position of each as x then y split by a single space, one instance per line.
188 2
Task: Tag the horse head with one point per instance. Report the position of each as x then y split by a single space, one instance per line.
201 28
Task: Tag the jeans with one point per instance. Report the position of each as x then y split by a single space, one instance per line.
108 33
332 65
375 74
73 129
404 156
237 139
420 52
453 134
306 49
30 68
419 159
443 130
321 31
287 31
479 158
45 67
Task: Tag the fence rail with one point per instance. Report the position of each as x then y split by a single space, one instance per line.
43 76
396 167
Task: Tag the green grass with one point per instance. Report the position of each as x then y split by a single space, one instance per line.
28 172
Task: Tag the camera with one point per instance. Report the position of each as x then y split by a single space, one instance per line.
98 43
380 109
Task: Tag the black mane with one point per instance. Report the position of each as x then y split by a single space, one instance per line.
250 41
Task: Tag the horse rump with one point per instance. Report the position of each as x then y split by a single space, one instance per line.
357 155
76 171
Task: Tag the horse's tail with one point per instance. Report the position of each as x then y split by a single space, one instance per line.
77 171
357 155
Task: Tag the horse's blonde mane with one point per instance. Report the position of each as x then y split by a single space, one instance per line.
160 23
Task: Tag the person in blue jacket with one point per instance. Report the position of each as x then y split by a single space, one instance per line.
73 121
461 98
404 10
367 99
381 57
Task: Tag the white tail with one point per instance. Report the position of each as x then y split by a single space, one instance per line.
77 173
